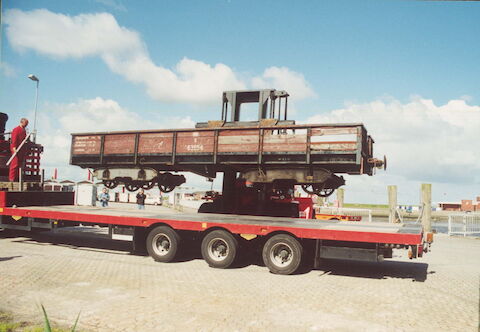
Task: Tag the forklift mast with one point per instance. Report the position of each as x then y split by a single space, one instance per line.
272 108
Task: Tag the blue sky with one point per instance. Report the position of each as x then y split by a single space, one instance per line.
345 57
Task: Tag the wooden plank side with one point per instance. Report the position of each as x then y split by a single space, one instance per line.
195 142
333 146
86 145
285 143
119 144
238 141
249 132
155 143
334 131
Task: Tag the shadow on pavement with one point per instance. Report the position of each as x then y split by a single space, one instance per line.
83 241
387 269
2 259
93 242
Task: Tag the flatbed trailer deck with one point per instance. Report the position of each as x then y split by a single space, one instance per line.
380 232
285 241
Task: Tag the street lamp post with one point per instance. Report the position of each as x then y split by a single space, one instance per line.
35 79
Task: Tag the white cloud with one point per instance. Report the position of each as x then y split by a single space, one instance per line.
98 114
7 69
283 78
192 81
422 141
62 36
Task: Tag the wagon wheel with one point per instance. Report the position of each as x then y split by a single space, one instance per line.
131 186
310 188
148 185
110 184
319 190
166 188
325 192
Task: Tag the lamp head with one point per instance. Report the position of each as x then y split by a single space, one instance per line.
33 78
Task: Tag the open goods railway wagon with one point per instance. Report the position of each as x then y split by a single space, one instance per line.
261 161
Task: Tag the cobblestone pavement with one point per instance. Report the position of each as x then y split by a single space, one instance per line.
113 290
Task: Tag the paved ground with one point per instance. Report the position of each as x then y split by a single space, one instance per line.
117 291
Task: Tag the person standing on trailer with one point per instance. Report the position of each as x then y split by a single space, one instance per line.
141 199
104 197
18 135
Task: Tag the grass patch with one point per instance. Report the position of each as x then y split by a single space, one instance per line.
9 324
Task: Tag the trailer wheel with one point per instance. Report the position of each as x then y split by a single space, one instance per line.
282 254
162 244
219 249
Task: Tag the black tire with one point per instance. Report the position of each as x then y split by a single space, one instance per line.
219 249
162 244
282 254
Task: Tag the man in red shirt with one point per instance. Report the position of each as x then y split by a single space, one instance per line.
18 135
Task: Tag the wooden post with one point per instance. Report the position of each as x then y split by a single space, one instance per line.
392 204
427 207
20 179
340 197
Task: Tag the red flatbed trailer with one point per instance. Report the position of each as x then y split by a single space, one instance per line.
285 241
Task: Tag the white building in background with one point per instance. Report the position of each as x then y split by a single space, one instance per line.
184 196
55 185
85 193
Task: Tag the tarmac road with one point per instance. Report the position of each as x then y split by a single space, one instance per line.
116 291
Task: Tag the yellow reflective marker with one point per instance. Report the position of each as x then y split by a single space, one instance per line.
204 225
248 237
16 218
1 209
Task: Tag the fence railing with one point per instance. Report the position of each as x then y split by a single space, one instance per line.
464 224
366 214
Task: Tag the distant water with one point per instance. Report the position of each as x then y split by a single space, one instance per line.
439 226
